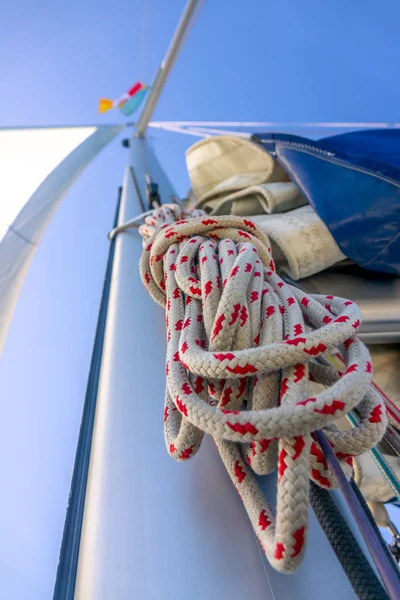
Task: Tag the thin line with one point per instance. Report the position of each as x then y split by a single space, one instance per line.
143 44
80 126
220 132
161 124
173 129
329 124
381 463
135 185
383 250
392 404
200 131
264 566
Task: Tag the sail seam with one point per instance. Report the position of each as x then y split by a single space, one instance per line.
20 235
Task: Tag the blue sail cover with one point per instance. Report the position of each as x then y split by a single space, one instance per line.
353 182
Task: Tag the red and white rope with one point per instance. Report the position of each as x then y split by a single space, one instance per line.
244 349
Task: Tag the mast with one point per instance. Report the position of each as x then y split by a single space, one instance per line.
66 572
130 201
153 528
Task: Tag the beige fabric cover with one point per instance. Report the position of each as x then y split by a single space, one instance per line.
386 369
254 200
370 479
386 364
214 160
302 245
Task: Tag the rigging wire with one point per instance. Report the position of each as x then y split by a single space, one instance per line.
381 463
144 41
300 124
211 131
206 129
176 129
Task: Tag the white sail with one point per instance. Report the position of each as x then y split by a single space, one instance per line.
37 167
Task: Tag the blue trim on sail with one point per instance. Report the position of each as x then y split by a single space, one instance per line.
353 183
64 588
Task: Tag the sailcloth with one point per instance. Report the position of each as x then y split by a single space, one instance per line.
37 166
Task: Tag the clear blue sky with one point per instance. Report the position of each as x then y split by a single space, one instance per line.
254 60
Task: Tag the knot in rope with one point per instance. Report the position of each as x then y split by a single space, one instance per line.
246 363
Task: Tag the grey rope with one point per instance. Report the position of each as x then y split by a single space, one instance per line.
362 577
370 517
385 565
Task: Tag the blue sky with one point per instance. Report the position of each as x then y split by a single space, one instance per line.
254 60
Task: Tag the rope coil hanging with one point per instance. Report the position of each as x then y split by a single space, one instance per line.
243 352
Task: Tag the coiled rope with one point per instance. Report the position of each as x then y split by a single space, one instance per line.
243 352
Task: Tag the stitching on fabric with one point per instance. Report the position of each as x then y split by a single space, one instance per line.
303 147
340 162
310 150
383 250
